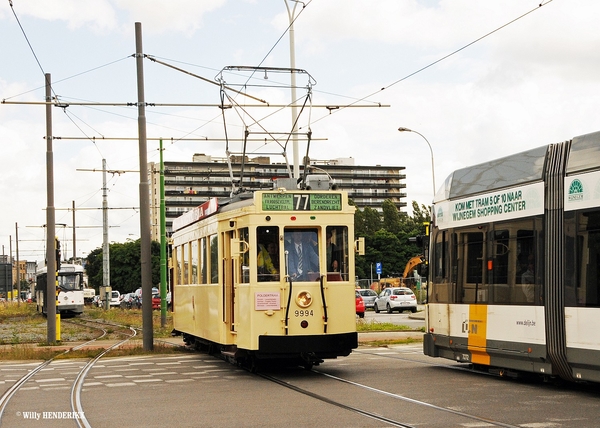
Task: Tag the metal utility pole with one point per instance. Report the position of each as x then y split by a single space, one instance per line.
293 84
18 267
105 247
146 259
50 223
163 244
74 241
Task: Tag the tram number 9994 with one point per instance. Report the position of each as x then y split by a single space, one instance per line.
303 313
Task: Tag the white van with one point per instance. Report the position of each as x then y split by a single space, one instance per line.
115 298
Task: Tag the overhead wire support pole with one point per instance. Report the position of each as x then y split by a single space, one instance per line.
105 246
50 223
295 149
146 259
163 244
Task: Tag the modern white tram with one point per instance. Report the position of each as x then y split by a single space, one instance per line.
70 289
515 263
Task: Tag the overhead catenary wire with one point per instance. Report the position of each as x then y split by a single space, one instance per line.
447 56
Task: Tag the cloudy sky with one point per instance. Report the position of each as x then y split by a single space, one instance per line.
479 80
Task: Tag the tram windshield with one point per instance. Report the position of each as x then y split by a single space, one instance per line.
69 282
306 258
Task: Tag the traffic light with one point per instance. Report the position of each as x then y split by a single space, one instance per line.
57 249
417 240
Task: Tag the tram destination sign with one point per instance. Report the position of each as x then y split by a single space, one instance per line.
301 202
500 205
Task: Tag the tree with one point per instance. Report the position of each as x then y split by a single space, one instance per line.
391 217
387 237
366 222
125 266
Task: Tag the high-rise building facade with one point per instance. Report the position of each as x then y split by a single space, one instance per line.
189 184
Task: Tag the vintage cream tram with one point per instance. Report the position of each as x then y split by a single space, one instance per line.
239 287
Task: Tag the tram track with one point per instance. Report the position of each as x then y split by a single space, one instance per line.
77 385
396 422
304 385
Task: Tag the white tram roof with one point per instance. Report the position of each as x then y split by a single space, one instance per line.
518 169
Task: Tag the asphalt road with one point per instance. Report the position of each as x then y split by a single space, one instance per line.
198 390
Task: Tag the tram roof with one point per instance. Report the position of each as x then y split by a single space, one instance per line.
584 154
517 169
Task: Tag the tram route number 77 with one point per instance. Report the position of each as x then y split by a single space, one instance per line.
298 201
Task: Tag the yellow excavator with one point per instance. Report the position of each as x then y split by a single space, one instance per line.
412 263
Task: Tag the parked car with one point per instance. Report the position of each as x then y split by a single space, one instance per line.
127 301
155 298
368 297
360 305
115 298
96 301
396 299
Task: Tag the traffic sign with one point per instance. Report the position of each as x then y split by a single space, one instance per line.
378 268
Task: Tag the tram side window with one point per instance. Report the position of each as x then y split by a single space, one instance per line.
186 263
588 255
244 260
214 259
203 261
499 266
440 288
194 262
571 255
500 254
179 265
526 270
268 260
336 253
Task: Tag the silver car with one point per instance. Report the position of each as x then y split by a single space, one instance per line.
396 299
368 296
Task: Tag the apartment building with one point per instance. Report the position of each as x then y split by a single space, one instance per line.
189 184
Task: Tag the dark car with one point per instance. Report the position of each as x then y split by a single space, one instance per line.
360 305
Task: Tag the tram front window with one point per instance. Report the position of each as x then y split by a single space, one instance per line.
68 283
336 253
267 259
301 254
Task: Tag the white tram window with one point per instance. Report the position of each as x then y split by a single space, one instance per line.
67 282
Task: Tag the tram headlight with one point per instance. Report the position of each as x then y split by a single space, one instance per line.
304 299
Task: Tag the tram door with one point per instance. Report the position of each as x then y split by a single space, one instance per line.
472 287
228 282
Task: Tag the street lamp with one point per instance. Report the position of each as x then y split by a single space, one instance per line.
401 129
